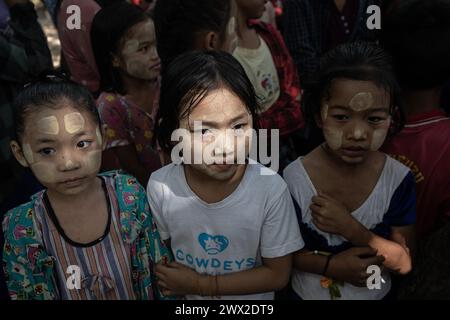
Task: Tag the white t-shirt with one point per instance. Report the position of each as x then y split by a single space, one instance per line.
260 69
256 220
391 203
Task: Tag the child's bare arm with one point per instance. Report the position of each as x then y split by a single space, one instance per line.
329 215
348 266
177 279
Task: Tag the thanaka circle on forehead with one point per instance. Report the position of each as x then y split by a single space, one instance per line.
48 125
361 101
74 122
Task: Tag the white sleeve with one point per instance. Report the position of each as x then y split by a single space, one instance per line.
280 231
155 196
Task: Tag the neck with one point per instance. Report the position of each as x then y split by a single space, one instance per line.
204 185
242 23
421 101
339 164
247 37
76 200
140 92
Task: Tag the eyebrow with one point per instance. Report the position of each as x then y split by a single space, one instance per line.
381 109
45 140
339 107
214 124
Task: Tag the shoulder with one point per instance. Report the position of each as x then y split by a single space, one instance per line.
292 171
166 173
395 170
122 182
162 178
19 224
109 100
265 180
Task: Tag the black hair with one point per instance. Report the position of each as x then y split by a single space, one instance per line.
417 35
101 3
110 24
179 22
49 90
189 79
362 61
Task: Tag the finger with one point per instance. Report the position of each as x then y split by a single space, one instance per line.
376 260
161 268
162 285
161 276
319 200
315 208
173 264
166 292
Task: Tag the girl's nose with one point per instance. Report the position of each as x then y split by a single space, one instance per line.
224 144
68 162
358 131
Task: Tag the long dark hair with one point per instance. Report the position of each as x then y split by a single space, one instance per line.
189 79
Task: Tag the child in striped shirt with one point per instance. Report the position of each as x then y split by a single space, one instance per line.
87 235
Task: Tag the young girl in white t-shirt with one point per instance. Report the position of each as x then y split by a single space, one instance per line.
231 228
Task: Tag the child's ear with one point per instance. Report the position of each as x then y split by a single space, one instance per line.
211 41
115 61
18 153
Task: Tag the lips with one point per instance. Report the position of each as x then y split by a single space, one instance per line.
353 151
156 66
73 181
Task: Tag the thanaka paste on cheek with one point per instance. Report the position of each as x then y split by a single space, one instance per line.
45 171
92 162
99 137
333 138
28 155
48 125
74 122
324 113
361 101
231 26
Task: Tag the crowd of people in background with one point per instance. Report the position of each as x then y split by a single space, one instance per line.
88 176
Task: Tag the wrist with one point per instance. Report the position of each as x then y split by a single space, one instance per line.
357 233
207 285
202 285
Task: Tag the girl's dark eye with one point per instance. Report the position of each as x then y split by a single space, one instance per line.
84 144
47 151
144 49
340 117
205 131
239 126
376 119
